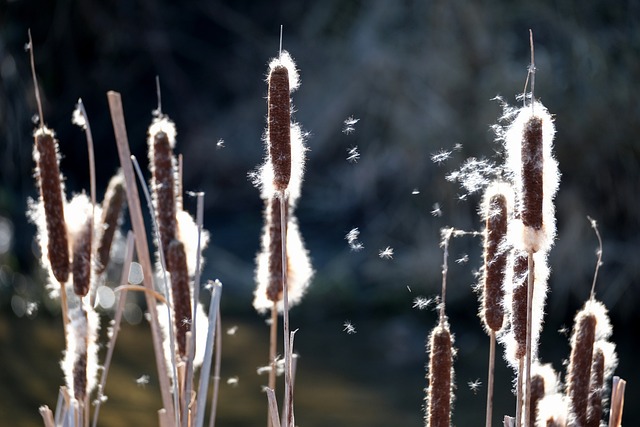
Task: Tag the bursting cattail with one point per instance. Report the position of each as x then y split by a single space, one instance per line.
604 363
269 262
496 205
552 411
114 200
440 377
591 324
529 141
46 156
544 382
180 293
82 257
516 304
80 362
161 141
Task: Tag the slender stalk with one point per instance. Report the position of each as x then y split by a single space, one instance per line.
288 387
490 376
216 372
196 299
142 248
203 386
519 392
273 348
530 284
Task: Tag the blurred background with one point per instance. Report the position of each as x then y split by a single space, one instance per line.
399 82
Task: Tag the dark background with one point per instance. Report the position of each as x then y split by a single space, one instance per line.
420 76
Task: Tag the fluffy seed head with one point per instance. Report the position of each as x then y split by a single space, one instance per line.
279 131
180 293
579 370
552 411
162 163
529 142
495 210
439 393
82 257
45 154
114 199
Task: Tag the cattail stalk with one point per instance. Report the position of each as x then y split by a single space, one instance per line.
137 222
617 402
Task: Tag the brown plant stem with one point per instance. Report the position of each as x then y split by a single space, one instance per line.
273 344
490 377
528 361
142 248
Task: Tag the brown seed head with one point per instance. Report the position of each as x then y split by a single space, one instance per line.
537 393
163 189
114 200
440 377
579 370
80 377
594 413
274 289
48 175
180 293
532 168
82 258
279 132
519 304
495 260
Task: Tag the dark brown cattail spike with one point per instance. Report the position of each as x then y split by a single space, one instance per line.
594 413
495 260
163 189
82 258
440 377
114 200
579 370
180 293
519 304
48 175
275 288
279 131
537 393
532 168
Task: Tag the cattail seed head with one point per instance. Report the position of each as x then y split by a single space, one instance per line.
596 388
180 293
269 261
439 393
552 411
162 163
279 132
516 283
495 210
534 171
82 257
45 154
114 199
579 370
544 382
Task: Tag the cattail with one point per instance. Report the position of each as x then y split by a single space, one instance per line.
45 154
495 209
80 362
516 283
528 142
180 293
544 382
596 387
161 141
82 257
440 377
269 261
591 324
279 132
114 200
